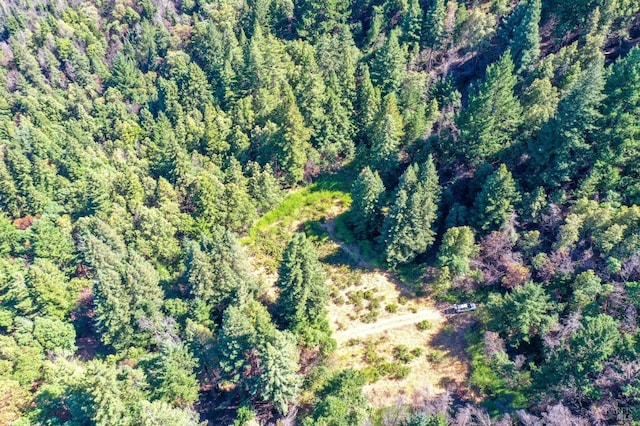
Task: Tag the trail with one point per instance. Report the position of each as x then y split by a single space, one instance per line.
392 323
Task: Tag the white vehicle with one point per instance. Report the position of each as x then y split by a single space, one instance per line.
464 307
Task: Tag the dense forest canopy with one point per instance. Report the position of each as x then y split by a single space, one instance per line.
490 145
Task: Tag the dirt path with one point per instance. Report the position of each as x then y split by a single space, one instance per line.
352 250
395 322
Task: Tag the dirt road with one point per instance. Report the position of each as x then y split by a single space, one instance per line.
399 321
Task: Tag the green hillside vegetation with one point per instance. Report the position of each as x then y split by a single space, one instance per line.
181 180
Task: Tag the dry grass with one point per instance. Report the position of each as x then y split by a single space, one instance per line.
362 299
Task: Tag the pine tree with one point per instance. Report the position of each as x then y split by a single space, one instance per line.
171 375
385 136
523 314
456 249
433 26
303 293
366 208
292 141
489 122
496 202
216 269
278 382
525 45
412 23
335 140
389 64
563 148
368 103
408 229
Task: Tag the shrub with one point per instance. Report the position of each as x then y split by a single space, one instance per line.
424 325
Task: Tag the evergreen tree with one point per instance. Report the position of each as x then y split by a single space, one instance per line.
389 65
563 147
412 23
497 200
368 103
170 373
335 140
367 196
433 26
456 249
408 228
489 122
385 137
521 315
525 45
278 382
216 269
292 141
303 293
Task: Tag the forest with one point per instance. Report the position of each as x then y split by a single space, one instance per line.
193 191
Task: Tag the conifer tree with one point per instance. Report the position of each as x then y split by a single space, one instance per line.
563 147
278 382
457 248
292 141
368 103
433 26
171 375
412 23
335 140
489 122
497 200
385 137
389 65
408 229
525 45
366 208
303 293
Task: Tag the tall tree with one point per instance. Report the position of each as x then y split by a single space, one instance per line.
385 138
562 150
489 122
522 314
366 207
497 200
433 25
303 292
292 141
368 102
525 45
389 64
408 228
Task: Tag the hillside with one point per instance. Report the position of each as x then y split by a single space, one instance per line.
224 212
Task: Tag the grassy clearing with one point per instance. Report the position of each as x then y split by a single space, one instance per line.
268 237
362 292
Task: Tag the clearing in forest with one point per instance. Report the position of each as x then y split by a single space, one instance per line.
403 344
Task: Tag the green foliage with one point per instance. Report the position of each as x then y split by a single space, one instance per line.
497 200
489 123
456 249
52 334
366 209
524 313
303 292
407 229
340 401
170 373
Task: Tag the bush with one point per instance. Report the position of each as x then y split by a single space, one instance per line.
417 352
436 356
403 354
372 316
392 308
424 325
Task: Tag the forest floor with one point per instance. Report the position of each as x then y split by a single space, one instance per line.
375 316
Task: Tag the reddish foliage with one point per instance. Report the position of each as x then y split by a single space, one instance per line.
23 223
